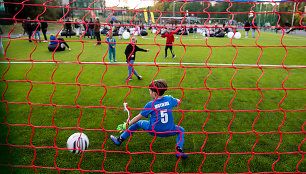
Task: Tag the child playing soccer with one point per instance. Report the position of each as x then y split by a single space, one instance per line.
111 47
130 53
169 41
161 119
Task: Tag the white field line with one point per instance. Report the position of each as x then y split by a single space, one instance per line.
168 63
242 38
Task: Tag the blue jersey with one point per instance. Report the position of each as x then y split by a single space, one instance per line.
112 40
53 40
164 120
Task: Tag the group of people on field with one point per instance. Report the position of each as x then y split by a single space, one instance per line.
33 29
91 27
248 26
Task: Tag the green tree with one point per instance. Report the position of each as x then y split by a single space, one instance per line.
51 13
289 7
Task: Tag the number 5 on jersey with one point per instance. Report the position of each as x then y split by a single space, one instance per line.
164 116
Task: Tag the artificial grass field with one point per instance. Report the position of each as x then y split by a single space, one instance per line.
37 134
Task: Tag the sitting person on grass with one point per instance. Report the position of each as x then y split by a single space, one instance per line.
58 44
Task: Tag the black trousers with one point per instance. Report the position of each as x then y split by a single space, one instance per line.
98 38
56 47
44 31
30 35
171 50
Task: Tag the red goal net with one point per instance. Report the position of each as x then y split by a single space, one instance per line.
237 67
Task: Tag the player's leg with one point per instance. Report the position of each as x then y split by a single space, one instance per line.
179 131
172 52
30 35
1 46
166 48
110 53
134 70
45 34
141 124
180 142
38 34
114 54
130 69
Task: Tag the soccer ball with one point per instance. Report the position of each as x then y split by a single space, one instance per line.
230 34
63 45
237 35
77 142
126 35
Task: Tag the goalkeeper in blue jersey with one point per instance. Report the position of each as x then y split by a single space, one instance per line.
161 119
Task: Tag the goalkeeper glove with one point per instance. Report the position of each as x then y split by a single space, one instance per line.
122 127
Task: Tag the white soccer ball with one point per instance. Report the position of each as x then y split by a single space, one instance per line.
77 142
237 35
63 45
126 35
230 34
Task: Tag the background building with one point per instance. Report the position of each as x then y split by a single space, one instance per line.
81 4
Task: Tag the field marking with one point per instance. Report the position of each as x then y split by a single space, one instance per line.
167 63
242 38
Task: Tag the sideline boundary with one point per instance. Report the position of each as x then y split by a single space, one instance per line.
164 63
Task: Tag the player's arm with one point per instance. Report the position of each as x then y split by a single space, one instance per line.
175 30
135 119
164 35
140 49
125 126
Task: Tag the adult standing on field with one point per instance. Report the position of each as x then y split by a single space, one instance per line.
247 26
169 41
195 30
77 27
29 29
97 31
68 28
253 28
91 28
36 28
24 27
85 26
44 26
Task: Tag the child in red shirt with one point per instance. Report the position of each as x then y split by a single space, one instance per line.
169 41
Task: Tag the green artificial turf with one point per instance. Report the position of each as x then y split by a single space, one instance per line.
44 103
